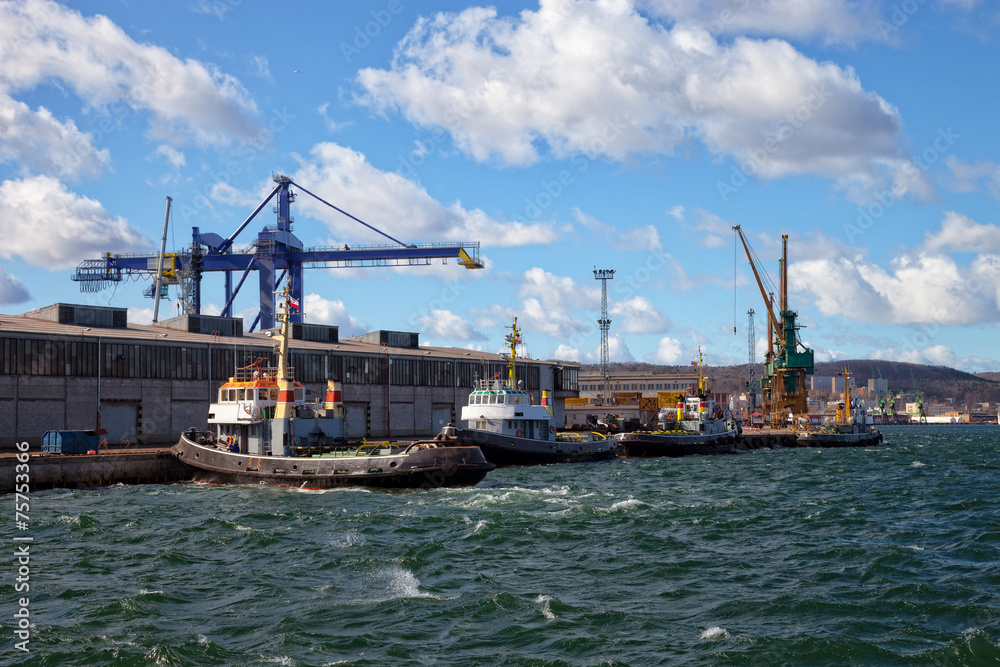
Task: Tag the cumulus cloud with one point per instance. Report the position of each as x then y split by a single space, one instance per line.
638 316
446 325
550 303
43 41
960 233
923 286
37 141
617 351
606 80
318 310
48 226
12 290
668 351
397 205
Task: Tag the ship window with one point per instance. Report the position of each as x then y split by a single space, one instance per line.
274 393
242 394
262 394
299 394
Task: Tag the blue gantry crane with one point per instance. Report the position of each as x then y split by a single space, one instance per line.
276 254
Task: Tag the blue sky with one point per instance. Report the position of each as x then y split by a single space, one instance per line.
566 135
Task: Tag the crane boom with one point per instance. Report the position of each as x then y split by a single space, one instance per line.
275 253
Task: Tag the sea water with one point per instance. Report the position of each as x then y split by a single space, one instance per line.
878 556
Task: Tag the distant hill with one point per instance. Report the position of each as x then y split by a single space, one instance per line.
937 383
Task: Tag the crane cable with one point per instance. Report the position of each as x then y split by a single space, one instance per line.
374 229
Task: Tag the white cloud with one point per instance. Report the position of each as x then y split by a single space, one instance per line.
12 290
145 315
397 205
318 310
43 41
960 233
446 325
36 141
641 238
174 157
49 226
617 351
638 316
549 303
566 353
831 20
924 286
668 351
603 80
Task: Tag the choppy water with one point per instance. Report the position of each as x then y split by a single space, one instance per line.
884 556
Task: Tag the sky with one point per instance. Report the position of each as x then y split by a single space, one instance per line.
563 135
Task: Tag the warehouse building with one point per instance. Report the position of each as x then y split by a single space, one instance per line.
72 367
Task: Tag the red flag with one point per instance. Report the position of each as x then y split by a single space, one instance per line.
293 303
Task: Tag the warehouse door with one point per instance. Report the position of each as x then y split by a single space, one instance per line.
355 420
121 420
400 419
441 416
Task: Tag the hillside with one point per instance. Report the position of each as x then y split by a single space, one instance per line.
936 382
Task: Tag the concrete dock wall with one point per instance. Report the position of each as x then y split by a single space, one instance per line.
48 471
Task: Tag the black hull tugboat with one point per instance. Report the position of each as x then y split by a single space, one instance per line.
511 431
266 433
847 430
695 426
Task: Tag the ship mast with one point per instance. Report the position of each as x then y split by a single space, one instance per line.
282 423
513 339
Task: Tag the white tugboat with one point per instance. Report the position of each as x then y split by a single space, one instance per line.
503 422
847 431
266 433
694 426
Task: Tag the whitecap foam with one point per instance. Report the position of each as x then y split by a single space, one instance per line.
143 591
396 582
545 605
714 632
917 464
623 505
478 527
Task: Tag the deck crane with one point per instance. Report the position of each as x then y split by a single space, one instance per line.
275 254
787 361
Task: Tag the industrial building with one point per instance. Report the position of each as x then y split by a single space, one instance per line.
81 367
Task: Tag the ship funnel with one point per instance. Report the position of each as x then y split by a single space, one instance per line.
334 404
547 401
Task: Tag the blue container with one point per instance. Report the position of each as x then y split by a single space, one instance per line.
69 442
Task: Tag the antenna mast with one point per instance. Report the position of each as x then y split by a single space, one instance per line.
604 275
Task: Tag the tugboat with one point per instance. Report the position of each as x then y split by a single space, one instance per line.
695 426
511 431
266 433
846 432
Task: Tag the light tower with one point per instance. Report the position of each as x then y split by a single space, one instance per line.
604 275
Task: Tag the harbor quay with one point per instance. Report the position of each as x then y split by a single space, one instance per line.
82 367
